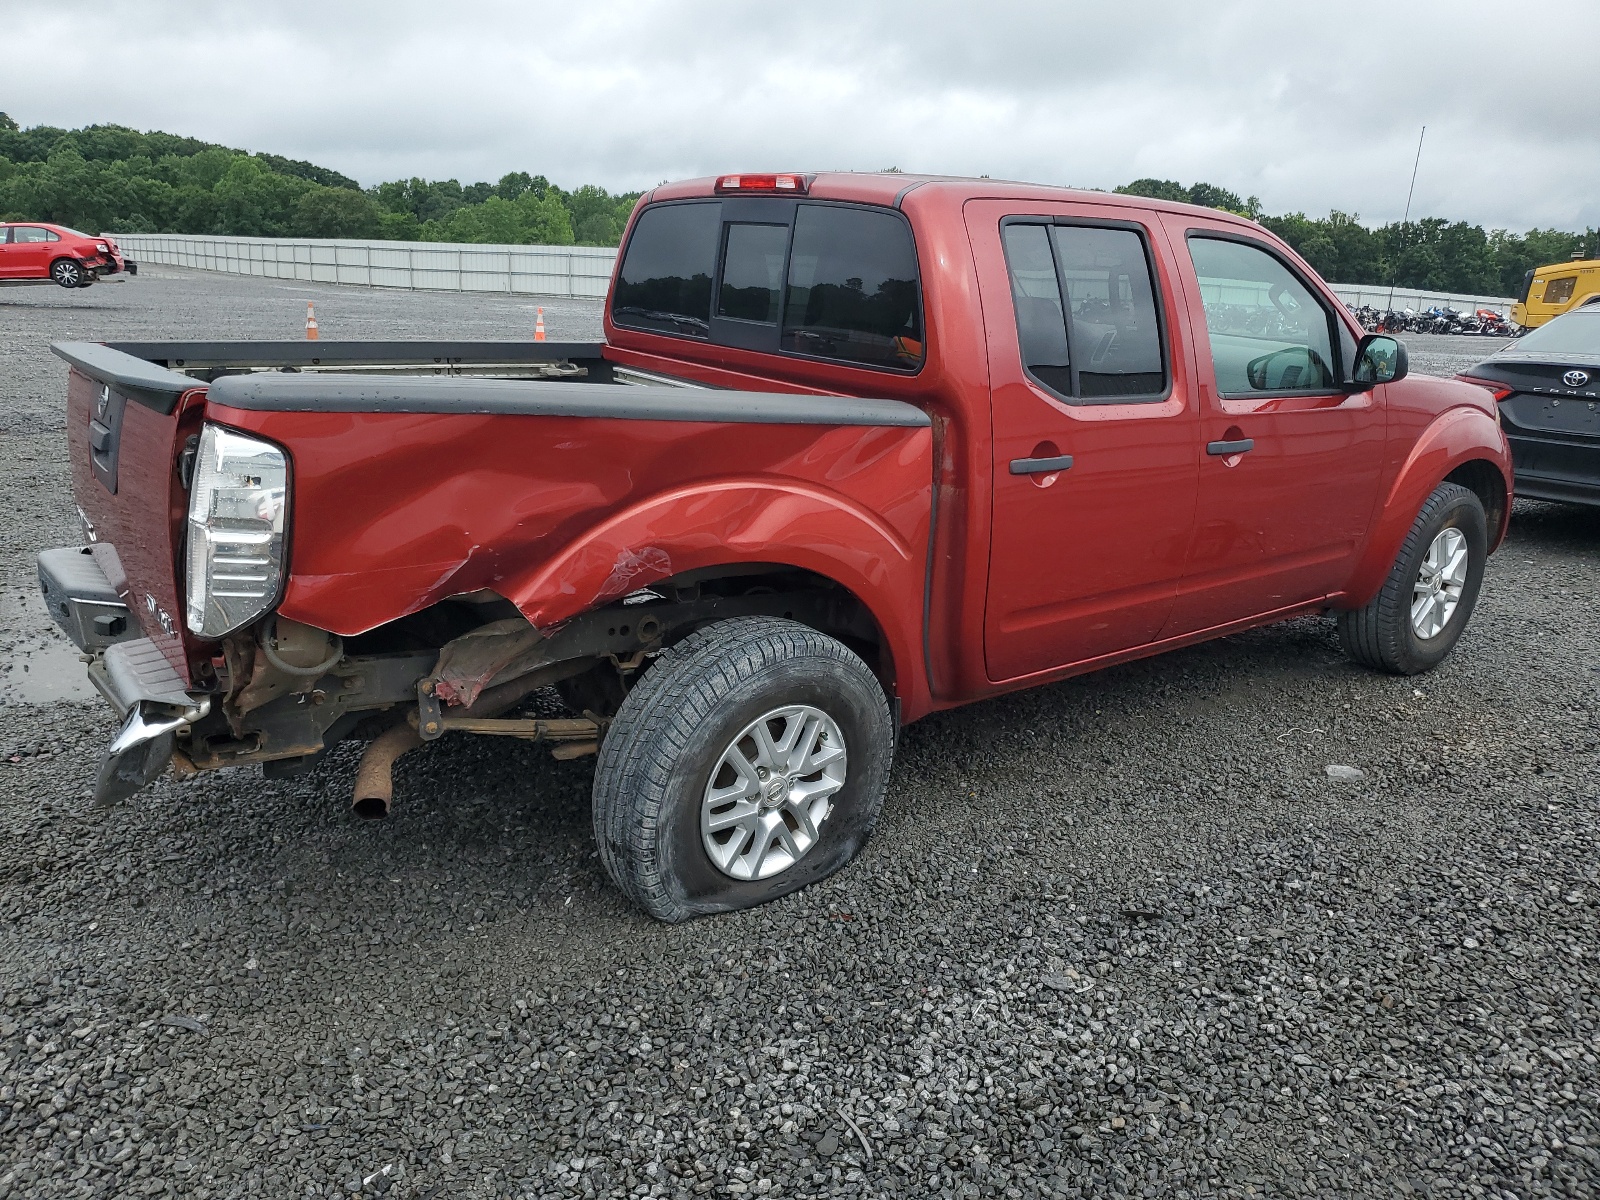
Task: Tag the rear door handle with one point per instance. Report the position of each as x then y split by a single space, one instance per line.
1223 449
1039 466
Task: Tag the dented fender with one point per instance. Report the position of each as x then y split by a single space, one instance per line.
1454 438
880 558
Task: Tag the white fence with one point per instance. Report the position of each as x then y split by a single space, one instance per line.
1357 294
441 266
533 270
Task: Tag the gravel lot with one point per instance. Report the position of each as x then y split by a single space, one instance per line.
1121 936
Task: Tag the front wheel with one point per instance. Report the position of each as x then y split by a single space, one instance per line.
749 761
67 273
1420 612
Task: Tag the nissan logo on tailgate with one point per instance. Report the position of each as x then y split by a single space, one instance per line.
1575 378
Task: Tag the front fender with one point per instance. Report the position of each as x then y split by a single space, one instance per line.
1454 438
880 558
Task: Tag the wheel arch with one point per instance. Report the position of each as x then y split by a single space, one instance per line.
734 529
1462 445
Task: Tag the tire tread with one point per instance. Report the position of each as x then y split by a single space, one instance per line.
654 726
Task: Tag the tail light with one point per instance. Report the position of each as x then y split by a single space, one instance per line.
238 508
1498 389
782 184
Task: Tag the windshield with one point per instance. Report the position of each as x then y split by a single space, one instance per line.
1576 332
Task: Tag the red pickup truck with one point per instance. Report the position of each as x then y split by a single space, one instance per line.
855 448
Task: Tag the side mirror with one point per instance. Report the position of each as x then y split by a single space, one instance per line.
1294 368
1379 359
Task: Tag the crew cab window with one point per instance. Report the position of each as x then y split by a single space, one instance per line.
1088 324
752 272
853 291
1268 332
831 281
665 281
29 233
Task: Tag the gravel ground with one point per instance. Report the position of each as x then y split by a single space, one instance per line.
1121 936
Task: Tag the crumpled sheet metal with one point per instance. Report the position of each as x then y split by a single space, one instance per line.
500 650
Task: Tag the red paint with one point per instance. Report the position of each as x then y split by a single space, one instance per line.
33 260
1146 543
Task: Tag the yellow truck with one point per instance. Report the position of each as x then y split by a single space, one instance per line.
1550 291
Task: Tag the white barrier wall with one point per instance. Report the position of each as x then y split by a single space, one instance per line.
440 266
1357 294
533 270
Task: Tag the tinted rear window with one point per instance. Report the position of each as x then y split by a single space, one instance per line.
853 288
665 281
826 281
752 272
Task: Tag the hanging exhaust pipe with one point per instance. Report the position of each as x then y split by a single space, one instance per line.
374 789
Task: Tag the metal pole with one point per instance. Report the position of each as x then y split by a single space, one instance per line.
1405 220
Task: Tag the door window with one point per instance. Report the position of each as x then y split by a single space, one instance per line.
30 233
1088 324
1268 331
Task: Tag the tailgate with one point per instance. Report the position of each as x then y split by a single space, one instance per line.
127 421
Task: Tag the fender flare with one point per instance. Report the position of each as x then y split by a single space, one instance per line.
1456 437
735 521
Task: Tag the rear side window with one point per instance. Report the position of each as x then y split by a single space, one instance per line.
665 282
29 233
780 275
853 291
1088 323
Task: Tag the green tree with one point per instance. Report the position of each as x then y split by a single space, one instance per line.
332 212
1157 189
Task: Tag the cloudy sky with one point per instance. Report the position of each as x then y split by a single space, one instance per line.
1308 105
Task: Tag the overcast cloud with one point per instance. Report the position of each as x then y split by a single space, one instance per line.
1309 106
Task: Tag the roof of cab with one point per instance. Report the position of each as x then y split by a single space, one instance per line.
889 188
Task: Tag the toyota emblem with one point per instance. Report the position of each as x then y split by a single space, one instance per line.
1575 378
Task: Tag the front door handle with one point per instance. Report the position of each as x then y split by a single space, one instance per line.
1223 449
1040 466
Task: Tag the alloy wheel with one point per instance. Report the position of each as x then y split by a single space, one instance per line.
1439 582
771 790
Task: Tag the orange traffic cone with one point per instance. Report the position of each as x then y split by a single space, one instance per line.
311 322
538 326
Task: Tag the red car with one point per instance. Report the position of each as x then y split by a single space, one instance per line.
33 252
856 448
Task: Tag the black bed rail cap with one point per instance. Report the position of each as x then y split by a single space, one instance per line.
300 353
332 392
129 374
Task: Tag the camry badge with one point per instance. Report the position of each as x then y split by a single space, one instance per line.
1575 378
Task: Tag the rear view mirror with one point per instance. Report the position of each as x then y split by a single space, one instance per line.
1379 359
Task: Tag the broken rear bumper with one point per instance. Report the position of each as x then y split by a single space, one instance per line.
129 671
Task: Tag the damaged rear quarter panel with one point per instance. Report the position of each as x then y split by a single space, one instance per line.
395 511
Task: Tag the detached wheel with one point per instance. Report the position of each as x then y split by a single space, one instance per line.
1420 612
750 761
67 273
